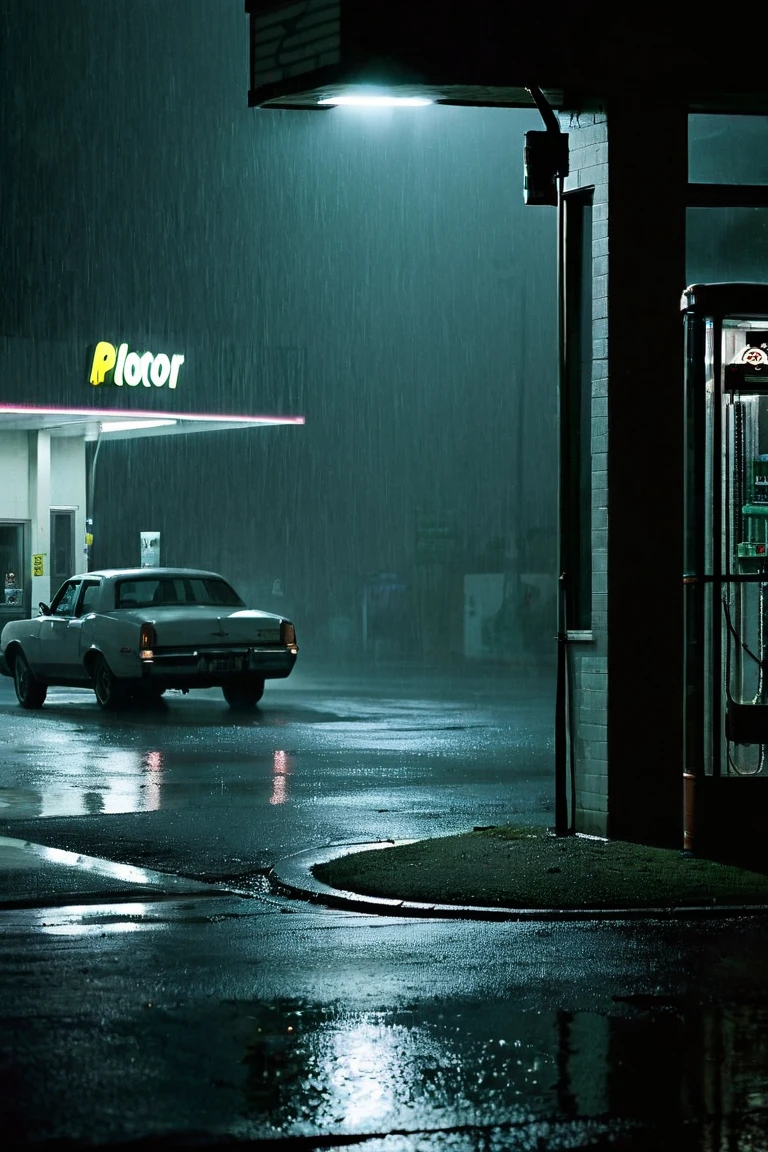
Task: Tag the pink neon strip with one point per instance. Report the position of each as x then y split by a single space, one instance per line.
122 414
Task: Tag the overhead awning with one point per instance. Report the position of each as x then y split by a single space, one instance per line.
304 53
112 424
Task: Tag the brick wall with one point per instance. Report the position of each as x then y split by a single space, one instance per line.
588 145
295 39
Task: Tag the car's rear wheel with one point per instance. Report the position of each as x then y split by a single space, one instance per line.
30 693
108 692
245 694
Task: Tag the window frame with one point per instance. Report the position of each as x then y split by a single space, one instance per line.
87 583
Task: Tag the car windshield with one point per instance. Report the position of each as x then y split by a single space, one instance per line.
168 591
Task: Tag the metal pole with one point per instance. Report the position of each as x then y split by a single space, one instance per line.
562 826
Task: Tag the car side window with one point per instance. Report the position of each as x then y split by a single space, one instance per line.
88 598
66 598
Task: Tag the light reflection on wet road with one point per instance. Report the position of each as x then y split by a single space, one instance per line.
196 789
267 1017
230 1019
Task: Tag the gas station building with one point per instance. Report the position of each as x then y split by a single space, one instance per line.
61 400
618 90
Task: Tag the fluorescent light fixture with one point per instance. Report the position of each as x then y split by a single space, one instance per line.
368 100
127 425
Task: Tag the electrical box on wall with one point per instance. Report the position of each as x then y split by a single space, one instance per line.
545 159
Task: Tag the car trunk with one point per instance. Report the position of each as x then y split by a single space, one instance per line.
201 626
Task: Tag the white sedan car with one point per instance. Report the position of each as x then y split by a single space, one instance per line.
138 631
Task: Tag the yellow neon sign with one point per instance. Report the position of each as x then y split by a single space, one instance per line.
117 365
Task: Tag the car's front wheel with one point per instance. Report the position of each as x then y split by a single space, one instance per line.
105 686
245 694
30 693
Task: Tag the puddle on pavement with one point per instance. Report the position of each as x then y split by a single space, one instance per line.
309 1070
121 780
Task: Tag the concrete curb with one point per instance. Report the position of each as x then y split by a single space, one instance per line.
293 876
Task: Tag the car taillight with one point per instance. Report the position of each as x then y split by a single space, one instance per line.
287 634
147 641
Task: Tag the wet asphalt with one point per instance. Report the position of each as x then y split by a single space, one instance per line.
223 1009
192 788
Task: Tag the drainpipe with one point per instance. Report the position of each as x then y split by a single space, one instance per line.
563 738
546 157
551 123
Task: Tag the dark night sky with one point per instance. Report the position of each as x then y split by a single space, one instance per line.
393 249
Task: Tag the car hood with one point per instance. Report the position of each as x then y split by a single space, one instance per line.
198 624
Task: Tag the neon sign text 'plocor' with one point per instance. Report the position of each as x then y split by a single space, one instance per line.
118 366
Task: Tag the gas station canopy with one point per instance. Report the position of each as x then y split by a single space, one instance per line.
111 424
146 385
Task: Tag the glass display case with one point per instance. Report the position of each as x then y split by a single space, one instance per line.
726 529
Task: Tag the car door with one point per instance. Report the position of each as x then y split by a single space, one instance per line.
80 628
59 644
71 648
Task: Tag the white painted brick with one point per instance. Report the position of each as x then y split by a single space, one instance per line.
593 732
595 176
594 783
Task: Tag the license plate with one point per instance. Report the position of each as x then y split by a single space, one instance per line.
227 664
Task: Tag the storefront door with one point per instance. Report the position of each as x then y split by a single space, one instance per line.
13 567
62 546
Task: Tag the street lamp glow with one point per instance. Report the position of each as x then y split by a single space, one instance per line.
362 100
